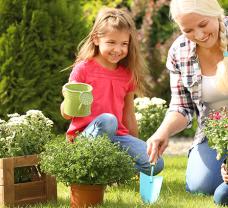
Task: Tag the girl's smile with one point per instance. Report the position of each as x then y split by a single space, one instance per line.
113 47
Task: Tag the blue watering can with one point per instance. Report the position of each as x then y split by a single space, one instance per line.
150 186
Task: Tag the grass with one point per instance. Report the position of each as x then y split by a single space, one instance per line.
173 194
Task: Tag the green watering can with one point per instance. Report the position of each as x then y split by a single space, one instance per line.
150 186
77 99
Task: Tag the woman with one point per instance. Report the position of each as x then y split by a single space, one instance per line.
199 83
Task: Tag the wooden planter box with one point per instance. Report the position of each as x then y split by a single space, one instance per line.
20 194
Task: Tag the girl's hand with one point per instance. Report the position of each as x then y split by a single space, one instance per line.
67 117
224 173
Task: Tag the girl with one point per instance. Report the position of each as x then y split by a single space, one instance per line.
110 61
199 83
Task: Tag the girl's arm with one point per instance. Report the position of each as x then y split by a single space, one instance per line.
224 173
129 119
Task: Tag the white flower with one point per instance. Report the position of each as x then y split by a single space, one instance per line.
142 103
157 101
2 121
138 116
13 115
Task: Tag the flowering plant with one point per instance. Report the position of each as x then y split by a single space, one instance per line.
24 135
149 115
216 130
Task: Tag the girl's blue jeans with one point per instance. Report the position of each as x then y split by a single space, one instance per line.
203 173
107 124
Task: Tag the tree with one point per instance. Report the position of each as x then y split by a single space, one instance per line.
37 39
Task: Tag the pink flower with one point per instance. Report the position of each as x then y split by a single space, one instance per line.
217 116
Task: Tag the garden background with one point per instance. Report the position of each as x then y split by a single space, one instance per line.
39 38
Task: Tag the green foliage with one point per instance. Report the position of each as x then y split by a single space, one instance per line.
224 4
149 114
87 161
190 132
24 134
37 39
91 7
216 130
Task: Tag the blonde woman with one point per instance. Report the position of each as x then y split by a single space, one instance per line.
109 59
198 67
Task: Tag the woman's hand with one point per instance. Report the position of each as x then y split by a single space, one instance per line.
157 144
224 173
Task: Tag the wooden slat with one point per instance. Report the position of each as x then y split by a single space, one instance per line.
8 171
32 200
51 190
28 160
30 189
8 177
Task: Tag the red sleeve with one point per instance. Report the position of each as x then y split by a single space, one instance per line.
78 73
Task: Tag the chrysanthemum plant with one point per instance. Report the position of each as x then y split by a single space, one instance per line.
216 130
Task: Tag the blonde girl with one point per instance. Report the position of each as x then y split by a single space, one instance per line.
109 59
198 66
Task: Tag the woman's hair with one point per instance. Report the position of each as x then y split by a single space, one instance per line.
115 19
213 9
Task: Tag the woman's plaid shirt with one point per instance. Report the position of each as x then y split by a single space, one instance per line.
186 83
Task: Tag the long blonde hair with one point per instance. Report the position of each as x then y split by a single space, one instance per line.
207 8
121 20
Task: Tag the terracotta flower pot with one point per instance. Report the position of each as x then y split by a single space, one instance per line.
86 195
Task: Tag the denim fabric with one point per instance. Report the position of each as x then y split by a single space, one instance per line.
221 194
203 173
107 124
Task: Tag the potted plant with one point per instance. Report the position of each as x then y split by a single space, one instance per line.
216 130
22 138
87 165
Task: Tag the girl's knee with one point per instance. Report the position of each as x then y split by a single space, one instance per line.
108 122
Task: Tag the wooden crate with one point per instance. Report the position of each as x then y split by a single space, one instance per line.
20 194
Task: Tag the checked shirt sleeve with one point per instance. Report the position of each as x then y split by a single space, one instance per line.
180 96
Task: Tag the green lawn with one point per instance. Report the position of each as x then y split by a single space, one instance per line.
172 194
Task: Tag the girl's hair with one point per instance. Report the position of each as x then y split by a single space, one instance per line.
213 9
115 19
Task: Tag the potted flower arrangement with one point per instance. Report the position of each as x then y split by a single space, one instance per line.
216 130
149 114
22 138
87 165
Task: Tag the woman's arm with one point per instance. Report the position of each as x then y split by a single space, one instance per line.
129 119
224 173
173 123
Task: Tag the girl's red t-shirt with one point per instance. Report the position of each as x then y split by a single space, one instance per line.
109 90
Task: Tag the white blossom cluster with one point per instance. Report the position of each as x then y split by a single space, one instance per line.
145 103
149 113
24 134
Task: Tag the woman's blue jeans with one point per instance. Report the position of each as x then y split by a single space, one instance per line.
107 124
203 173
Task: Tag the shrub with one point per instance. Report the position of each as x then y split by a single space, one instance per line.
38 38
87 161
